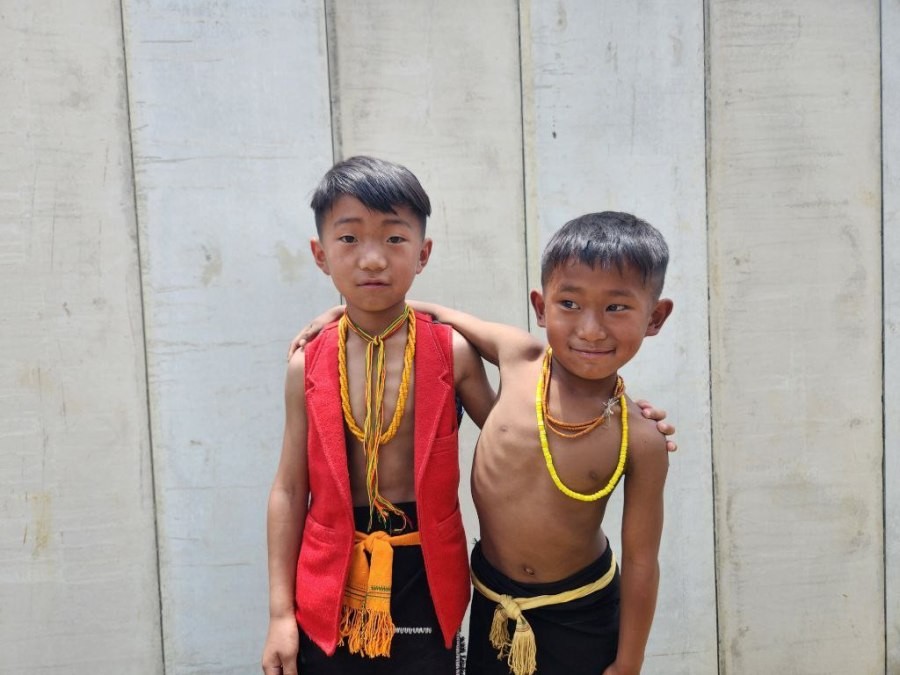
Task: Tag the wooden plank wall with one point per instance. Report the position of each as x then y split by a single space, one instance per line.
614 113
795 332
890 113
229 111
78 574
402 89
755 135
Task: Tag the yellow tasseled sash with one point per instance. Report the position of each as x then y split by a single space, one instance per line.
366 622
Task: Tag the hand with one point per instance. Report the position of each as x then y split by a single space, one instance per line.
666 429
313 328
613 669
282 646
300 340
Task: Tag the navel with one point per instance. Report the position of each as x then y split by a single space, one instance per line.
528 570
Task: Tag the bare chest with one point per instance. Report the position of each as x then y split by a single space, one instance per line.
380 400
511 449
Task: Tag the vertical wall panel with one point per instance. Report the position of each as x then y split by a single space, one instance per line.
890 113
614 113
78 582
434 86
229 107
794 195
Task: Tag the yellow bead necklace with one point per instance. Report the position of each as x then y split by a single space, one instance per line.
540 404
371 435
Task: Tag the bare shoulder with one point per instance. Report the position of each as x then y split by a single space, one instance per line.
646 445
463 351
295 380
466 359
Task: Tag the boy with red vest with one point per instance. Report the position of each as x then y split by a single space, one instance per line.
367 553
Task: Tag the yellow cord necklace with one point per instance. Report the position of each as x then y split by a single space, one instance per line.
540 404
371 435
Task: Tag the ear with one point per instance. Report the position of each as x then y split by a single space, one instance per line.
319 255
537 301
658 317
424 255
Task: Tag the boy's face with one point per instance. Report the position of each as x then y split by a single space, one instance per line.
372 257
597 318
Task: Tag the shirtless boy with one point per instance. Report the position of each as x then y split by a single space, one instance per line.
541 496
551 452
368 568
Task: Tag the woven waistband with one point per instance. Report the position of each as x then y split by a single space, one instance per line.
521 650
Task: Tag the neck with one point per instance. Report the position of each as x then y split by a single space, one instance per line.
601 389
375 323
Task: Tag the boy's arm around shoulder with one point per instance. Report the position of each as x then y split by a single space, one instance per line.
497 342
288 501
471 382
642 522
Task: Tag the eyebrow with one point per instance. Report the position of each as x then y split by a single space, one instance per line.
393 220
572 288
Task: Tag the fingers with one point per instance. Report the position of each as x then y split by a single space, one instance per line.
299 342
296 343
648 411
269 669
289 669
665 428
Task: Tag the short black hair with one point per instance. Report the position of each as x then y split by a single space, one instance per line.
609 239
380 185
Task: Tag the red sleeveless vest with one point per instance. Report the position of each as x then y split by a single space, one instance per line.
324 560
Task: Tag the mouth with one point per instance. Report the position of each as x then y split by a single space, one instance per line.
593 353
372 284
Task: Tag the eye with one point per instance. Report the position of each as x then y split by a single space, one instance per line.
396 239
616 308
568 304
347 238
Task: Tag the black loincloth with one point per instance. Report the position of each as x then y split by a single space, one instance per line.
418 643
579 637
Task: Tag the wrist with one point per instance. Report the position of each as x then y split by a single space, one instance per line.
627 667
281 610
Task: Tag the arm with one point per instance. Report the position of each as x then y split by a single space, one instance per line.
476 399
288 502
642 522
496 342
475 392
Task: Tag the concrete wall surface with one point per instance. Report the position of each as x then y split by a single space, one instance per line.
157 163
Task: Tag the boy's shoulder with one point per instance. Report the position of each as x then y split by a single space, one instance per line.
318 353
297 365
645 441
321 339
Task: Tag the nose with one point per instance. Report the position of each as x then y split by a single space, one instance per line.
372 259
591 328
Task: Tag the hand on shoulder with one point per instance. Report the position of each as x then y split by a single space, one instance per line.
659 416
644 436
